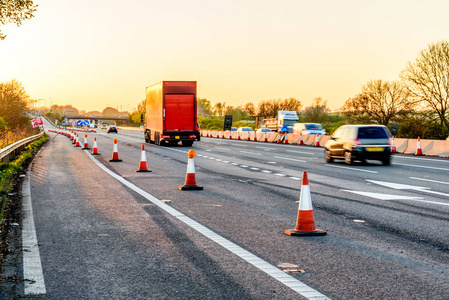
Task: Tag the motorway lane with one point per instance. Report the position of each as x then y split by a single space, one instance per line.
100 240
401 244
404 234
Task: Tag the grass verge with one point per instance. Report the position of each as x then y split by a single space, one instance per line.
9 171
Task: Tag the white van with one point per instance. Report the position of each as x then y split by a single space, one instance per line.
309 128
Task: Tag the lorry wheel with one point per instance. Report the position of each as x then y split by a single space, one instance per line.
187 143
348 158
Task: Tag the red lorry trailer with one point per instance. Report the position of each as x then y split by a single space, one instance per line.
171 115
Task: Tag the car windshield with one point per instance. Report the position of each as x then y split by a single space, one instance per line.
314 127
372 133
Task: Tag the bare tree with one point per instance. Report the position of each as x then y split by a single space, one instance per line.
270 108
428 79
14 11
378 102
250 109
318 112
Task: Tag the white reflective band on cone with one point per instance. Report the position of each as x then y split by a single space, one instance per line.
190 166
143 156
305 202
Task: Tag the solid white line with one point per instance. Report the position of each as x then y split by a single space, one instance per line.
250 152
271 270
354 169
435 181
286 158
425 167
32 268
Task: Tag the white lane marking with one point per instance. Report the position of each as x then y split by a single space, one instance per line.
400 186
250 152
287 158
425 167
32 267
295 178
266 148
243 166
279 174
435 181
395 197
266 171
354 169
382 196
269 269
226 149
302 152
422 158
255 169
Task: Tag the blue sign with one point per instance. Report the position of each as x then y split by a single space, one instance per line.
79 123
86 122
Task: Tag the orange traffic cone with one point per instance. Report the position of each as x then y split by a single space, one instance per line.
85 146
115 152
218 134
238 135
249 136
301 141
190 183
305 223
73 138
317 142
393 146
279 139
95 149
418 148
230 135
255 136
222 135
266 138
77 141
286 139
143 161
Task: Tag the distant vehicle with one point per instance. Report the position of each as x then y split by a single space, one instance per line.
359 142
309 128
171 113
112 128
233 128
63 123
262 130
284 118
245 129
104 126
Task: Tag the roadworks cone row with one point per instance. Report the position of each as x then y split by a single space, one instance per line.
190 183
317 143
301 141
305 223
77 141
115 152
143 161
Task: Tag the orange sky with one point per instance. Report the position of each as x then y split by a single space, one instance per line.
94 54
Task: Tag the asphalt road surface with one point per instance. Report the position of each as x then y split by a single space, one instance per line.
107 232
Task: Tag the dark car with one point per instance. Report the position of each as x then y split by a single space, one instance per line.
112 128
359 142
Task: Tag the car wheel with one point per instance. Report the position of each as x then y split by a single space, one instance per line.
386 161
348 158
327 156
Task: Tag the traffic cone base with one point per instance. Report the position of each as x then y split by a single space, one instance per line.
294 232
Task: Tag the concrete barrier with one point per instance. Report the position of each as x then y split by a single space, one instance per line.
406 146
